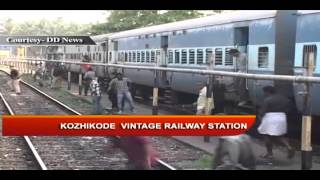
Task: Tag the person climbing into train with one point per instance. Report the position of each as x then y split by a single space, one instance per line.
88 76
96 96
14 83
121 85
234 153
241 66
273 115
140 153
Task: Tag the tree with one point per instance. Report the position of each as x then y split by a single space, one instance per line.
121 20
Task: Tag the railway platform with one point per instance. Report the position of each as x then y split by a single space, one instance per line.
280 161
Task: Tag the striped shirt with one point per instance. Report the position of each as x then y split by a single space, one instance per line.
120 85
95 88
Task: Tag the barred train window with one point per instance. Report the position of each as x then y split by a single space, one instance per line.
158 54
228 58
208 51
308 52
199 56
191 56
99 57
134 56
170 57
147 56
263 57
130 57
152 56
126 57
138 56
184 56
218 56
177 57
142 56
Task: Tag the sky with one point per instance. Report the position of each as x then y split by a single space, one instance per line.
76 16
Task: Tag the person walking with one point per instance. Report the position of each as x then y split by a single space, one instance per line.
139 151
88 76
202 100
121 85
234 153
14 83
96 96
274 121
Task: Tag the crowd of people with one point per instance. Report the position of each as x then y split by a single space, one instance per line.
232 152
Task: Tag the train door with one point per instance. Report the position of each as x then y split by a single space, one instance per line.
241 41
163 58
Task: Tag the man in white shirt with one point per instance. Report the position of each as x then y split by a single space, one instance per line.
202 100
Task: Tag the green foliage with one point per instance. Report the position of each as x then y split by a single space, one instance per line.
120 20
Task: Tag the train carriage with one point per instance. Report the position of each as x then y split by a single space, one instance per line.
187 44
306 49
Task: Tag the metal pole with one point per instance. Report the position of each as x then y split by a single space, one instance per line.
296 79
69 77
80 82
209 98
155 106
306 147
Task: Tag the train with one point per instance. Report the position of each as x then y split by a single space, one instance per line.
278 42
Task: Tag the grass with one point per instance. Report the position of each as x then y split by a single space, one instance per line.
205 162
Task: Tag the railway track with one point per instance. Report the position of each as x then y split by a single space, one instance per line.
62 152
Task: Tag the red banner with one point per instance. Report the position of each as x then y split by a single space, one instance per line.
29 125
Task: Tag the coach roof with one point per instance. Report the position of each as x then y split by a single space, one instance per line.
223 18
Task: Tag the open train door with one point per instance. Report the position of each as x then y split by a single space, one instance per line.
163 60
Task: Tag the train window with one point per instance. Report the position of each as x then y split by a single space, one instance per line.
218 56
174 33
78 49
133 56
99 57
184 56
88 48
154 35
158 54
142 56
199 56
130 57
147 56
93 57
152 56
228 58
170 57
184 32
146 36
191 56
177 57
125 57
208 52
263 57
309 51
110 56
138 56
